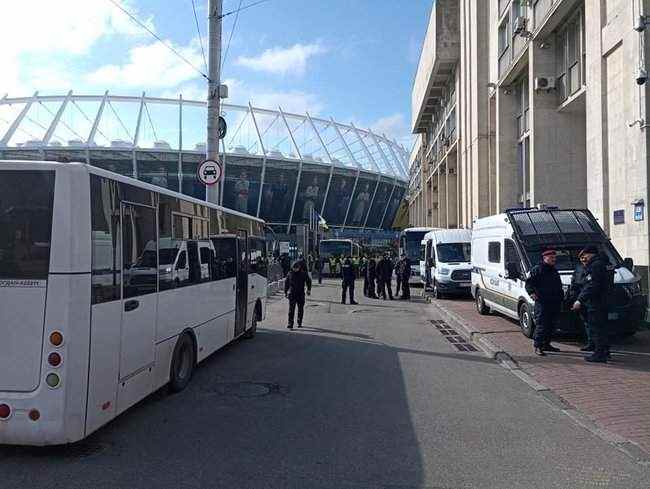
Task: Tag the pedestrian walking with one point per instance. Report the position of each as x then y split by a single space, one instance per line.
545 287
381 288
363 271
593 298
404 275
348 274
371 275
294 289
285 263
319 263
578 281
386 271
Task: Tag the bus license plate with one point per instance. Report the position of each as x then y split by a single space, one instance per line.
612 316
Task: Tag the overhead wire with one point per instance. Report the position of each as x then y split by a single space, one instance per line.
198 30
241 9
168 46
232 31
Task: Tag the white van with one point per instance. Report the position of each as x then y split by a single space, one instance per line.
505 247
447 259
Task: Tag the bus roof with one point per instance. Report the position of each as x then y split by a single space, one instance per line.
45 165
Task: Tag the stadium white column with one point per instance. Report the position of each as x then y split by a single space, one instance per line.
214 80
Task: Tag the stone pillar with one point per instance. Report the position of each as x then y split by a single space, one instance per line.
508 176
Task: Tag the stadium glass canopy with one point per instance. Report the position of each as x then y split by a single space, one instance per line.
278 165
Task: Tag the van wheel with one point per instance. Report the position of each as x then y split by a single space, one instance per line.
481 307
436 291
250 334
183 363
526 321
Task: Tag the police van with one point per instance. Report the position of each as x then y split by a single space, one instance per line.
507 246
447 258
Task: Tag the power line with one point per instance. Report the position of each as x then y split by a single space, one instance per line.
240 9
198 29
171 48
232 31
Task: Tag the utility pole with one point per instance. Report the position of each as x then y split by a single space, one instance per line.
214 97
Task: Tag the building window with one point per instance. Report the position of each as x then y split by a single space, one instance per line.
503 37
570 57
522 107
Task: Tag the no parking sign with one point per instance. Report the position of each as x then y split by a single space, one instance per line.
209 172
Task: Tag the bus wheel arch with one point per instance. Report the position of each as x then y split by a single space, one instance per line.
184 360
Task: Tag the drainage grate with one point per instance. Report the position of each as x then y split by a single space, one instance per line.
452 336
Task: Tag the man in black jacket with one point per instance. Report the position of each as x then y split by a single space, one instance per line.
386 271
404 275
348 274
545 287
294 290
593 298
578 281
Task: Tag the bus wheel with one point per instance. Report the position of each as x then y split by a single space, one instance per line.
526 321
250 334
183 363
481 307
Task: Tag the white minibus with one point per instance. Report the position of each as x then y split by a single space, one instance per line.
111 288
447 256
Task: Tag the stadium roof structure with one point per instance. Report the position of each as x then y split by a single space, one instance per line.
122 123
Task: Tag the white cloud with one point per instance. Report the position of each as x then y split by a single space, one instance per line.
283 61
150 66
394 126
48 28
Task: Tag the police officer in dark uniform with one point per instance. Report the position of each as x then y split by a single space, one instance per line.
593 298
294 290
404 275
386 271
348 274
545 287
578 280
371 275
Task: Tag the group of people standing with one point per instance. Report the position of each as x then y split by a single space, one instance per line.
377 276
591 285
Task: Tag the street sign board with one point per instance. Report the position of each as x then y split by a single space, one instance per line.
209 172
223 127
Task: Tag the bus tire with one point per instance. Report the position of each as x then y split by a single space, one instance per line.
183 362
250 334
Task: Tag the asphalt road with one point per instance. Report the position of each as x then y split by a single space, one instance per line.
368 396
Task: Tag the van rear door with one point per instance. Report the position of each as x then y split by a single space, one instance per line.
26 203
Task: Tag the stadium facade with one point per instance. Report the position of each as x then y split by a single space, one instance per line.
278 165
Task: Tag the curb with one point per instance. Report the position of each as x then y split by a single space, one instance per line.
504 358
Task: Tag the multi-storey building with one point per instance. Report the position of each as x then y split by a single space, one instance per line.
550 107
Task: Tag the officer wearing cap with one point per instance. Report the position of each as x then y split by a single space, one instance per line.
578 281
545 287
593 299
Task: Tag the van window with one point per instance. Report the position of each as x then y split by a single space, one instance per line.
494 252
511 252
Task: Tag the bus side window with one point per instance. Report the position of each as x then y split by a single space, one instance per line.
225 257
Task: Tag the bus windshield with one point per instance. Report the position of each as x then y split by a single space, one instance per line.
26 202
454 252
335 248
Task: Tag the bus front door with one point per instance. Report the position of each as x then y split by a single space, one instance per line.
242 283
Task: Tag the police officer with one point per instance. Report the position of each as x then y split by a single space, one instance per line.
593 298
386 271
294 290
578 280
348 274
363 271
371 275
545 287
403 275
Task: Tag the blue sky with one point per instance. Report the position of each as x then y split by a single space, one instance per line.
353 60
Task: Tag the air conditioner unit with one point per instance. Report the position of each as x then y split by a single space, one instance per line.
545 83
519 26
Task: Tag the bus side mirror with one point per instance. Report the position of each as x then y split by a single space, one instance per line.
629 264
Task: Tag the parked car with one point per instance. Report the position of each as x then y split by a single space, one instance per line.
505 247
447 261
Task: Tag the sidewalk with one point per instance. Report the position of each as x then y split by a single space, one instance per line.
615 396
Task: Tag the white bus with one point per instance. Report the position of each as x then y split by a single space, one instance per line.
410 243
111 288
336 248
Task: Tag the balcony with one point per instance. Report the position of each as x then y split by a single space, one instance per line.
440 53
